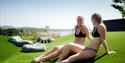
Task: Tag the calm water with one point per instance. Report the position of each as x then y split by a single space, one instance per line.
64 32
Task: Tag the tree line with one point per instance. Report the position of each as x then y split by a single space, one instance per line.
9 32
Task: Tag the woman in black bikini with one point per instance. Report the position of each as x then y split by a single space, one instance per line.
90 51
81 32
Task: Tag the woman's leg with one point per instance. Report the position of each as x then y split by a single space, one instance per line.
64 53
70 47
52 53
53 50
79 56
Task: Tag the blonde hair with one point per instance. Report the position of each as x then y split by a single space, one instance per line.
81 17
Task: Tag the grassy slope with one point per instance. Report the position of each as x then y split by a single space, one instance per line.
6 49
10 53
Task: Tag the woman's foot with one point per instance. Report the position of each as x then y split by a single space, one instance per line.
41 62
36 60
57 61
65 61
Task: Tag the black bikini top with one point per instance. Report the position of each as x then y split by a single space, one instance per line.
80 34
95 32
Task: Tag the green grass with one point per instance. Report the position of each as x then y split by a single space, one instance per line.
9 53
116 41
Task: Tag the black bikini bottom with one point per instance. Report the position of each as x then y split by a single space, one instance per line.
87 48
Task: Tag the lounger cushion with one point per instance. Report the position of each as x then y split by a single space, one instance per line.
17 40
37 47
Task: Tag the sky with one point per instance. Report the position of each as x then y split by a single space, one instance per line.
59 14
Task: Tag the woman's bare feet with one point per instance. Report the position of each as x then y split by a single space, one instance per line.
41 62
65 61
36 60
57 62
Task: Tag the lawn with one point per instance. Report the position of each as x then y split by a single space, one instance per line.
9 53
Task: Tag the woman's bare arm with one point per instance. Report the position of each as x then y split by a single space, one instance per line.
102 32
85 29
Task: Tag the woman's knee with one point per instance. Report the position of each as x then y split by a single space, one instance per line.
67 46
56 48
71 45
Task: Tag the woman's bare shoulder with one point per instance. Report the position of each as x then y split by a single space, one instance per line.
101 26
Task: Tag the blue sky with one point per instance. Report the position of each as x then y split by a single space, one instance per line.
53 13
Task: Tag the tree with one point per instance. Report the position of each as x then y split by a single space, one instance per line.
120 5
9 32
1 31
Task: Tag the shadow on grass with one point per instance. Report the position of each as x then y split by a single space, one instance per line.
100 57
31 51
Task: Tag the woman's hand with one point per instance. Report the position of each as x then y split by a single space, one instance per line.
90 39
110 52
